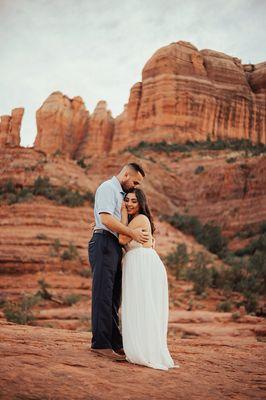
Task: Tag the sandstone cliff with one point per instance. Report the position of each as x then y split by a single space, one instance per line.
10 128
62 124
187 94
98 139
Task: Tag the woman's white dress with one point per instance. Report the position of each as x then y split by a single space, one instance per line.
144 308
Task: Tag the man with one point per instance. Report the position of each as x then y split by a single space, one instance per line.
105 255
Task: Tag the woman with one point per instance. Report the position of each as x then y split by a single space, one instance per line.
144 308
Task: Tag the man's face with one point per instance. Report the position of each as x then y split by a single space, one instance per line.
131 180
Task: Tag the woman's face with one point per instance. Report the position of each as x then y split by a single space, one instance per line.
132 204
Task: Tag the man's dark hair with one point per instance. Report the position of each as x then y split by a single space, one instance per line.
137 168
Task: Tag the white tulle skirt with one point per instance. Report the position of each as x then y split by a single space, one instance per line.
145 309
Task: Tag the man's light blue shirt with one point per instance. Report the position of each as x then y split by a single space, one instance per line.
108 199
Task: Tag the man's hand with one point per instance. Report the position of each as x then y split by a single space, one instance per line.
140 235
91 227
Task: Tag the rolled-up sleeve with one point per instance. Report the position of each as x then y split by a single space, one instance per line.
105 199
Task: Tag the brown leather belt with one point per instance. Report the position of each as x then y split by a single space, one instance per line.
106 233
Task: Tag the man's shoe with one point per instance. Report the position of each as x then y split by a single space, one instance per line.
120 351
109 353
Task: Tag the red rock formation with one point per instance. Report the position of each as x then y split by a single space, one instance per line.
190 94
10 128
185 94
61 123
98 139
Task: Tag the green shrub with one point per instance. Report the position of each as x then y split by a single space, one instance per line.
71 253
89 196
68 197
9 187
258 244
21 313
43 292
57 153
42 187
231 160
199 169
200 274
81 163
178 259
250 302
72 299
235 316
55 247
208 235
218 144
224 306
262 228
13 194
86 272
41 236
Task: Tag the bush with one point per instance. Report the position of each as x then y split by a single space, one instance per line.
81 163
72 299
86 272
71 253
43 187
218 144
200 274
250 302
231 160
20 313
41 236
69 198
235 316
178 259
258 244
55 247
43 292
199 169
13 194
224 306
263 227
208 235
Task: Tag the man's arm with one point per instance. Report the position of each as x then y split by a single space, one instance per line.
139 222
116 226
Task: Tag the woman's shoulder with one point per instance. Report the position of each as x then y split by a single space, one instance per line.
141 219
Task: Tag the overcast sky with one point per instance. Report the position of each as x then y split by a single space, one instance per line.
97 49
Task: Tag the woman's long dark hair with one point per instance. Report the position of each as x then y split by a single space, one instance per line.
143 206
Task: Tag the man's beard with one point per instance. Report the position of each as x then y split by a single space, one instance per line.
125 189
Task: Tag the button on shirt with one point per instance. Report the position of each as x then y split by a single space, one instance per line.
108 199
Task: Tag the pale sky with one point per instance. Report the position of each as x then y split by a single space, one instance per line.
97 49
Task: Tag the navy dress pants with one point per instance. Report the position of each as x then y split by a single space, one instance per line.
105 255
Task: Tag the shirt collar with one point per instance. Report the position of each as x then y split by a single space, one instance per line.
118 185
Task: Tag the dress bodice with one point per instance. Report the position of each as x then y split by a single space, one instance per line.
132 245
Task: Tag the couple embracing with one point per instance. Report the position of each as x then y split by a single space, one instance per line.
136 280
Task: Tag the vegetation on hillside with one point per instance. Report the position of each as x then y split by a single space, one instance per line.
219 144
12 193
246 271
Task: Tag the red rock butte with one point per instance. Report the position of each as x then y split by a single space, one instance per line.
185 94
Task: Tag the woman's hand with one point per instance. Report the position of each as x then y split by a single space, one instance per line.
123 208
124 213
